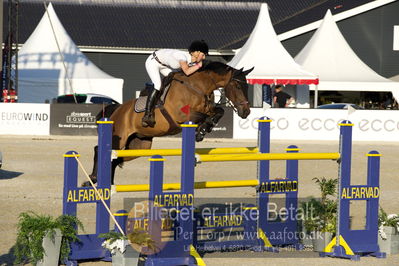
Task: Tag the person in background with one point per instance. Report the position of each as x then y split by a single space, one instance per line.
165 61
388 101
281 99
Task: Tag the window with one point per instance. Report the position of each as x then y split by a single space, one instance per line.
70 99
100 100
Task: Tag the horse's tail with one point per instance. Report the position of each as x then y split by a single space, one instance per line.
107 111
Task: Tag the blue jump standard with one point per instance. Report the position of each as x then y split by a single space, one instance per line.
352 244
89 247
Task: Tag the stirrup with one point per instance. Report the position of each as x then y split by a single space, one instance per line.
148 120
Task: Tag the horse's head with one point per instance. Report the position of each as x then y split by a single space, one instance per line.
237 91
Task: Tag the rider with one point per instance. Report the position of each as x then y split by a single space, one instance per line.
164 61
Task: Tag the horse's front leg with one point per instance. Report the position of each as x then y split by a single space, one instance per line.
213 120
199 118
208 123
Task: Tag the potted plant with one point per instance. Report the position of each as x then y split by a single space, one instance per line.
320 214
44 240
388 229
125 250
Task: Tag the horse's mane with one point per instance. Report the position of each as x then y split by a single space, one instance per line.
216 66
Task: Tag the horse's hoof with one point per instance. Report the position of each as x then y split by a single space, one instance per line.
87 183
199 137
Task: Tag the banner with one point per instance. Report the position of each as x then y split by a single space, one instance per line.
224 128
74 119
24 119
318 124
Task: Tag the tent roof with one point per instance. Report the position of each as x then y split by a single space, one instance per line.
273 64
40 61
338 67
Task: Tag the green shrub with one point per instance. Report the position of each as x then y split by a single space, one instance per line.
321 214
33 227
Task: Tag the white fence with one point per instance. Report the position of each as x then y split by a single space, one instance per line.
318 124
290 124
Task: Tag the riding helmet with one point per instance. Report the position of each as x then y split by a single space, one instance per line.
199 46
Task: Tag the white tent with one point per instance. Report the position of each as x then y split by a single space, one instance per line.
273 64
44 73
339 69
395 78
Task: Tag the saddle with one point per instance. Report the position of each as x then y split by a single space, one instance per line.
139 106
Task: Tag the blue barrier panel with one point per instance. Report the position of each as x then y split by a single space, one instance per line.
258 229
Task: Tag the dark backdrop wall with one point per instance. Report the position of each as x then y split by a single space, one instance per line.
130 67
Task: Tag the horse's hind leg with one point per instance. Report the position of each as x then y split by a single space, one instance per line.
93 175
134 142
139 142
115 163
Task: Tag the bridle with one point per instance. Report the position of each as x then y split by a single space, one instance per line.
234 104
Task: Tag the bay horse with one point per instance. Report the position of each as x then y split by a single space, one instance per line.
195 92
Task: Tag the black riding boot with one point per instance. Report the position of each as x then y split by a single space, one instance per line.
148 118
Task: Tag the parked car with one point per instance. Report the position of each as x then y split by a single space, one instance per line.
85 98
339 106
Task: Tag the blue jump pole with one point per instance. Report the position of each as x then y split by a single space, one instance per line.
273 227
179 251
104 172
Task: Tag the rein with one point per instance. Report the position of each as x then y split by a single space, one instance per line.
240 81
188 85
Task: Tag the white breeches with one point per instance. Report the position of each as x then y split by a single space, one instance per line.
154 69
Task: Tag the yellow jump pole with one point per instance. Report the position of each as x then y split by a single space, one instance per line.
267 156
197 185
178 152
